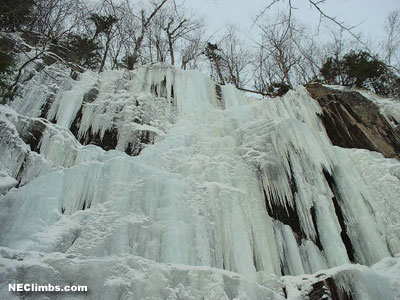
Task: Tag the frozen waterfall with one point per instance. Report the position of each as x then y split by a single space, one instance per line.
161 184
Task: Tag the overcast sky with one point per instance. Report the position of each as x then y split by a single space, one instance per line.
370 13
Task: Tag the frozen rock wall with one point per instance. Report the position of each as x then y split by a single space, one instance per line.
166 185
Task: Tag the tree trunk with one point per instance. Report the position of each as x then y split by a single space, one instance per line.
103 61
145 22
218 68
132 62
171 50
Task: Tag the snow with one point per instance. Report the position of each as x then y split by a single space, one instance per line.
189 215
129 277
389 107
361 281
6 182
382 176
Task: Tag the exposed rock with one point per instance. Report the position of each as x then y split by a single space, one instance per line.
221 101
339 213
32 134
140 139
109 140
91 95
286 214
6 183
353 121
7 44
328 289
160 90
46 106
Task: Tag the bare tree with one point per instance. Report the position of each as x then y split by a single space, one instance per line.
145 19
177 26
213 53
192 48
105 26
286 55
57 18
157 44
236 58
131 33
115 38
336 49
317 5
392 44
311 60
263 71
278 41
124 33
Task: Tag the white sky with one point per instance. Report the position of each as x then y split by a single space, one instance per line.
370 13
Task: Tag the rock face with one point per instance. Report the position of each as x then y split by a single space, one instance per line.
353 121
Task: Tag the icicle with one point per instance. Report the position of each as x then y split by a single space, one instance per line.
160 165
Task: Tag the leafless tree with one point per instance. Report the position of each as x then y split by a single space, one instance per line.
157 43
235 57
177 25
392 44
311 60
132 32
57 18
125 30
116 38
317 5
229 59
262 71
191 49
214 55
286 55
145 17
104 26
278 41
337 48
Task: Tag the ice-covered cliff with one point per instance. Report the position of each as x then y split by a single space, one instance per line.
160 184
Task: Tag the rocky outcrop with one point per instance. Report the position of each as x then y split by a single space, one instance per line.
353 121
327 289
